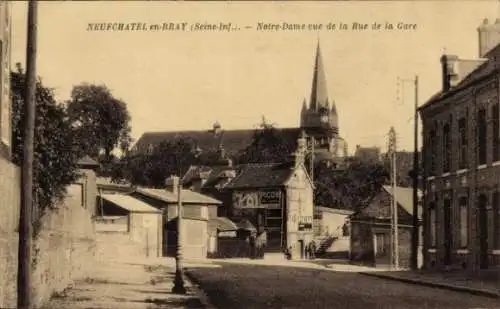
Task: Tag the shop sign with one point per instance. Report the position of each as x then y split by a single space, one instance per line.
227 234
257 199
305 226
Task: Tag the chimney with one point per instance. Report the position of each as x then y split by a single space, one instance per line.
449 67
171 183
488 36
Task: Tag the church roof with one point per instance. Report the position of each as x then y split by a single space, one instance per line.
233 141
319 93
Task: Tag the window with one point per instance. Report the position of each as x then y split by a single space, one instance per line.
481 136
496 220
464 226
433 224
446 156
462 151
432 147
496 132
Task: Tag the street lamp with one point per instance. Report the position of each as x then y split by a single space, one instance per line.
179 287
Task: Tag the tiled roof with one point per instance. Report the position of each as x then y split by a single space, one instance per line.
187 196
129 203
233 141
337 211
484 70
261 175
404 197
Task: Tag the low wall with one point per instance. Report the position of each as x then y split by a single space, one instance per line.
10 180
63 250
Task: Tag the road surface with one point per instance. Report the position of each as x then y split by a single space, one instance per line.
274 287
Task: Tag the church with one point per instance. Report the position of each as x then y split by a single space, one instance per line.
318 121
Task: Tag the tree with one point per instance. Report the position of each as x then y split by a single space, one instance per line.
101 121
353 187
268 146
56 157
169 158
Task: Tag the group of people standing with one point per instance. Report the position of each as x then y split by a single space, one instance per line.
258 243
309 251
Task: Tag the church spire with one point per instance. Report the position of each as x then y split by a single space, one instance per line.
319 95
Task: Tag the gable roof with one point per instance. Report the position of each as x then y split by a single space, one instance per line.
487 69
187 196
129 203
233 141
404 198
259 175
337 211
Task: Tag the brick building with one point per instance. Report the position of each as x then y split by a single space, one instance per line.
461 160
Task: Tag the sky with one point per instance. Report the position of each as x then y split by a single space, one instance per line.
187 80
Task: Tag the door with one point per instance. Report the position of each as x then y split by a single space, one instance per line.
483 232
448 233
301 247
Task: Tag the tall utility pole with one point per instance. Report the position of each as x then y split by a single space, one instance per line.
178 287
394 203
415 176
24 297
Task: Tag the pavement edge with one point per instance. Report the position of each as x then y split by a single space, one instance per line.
450 287
204 299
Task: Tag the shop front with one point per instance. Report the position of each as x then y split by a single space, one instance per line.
278 201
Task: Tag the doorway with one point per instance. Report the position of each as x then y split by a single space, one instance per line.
301 247
483 232
448 232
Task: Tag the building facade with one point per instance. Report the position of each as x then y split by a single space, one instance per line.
461 161
318 119
274 197
371 229
5 100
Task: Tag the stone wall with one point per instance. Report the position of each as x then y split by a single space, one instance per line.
63 249
142 238
10 179
65 246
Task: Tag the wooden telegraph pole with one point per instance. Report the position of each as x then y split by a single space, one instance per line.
394 204
24 298
415 176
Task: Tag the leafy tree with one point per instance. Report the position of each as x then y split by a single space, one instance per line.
268 146
352 187
56 157
169 158
101 121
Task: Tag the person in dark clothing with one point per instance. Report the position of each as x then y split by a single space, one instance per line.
307 252
313 250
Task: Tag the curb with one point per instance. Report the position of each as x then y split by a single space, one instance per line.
205 301
446 286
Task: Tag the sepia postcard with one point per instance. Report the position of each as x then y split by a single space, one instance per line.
250 154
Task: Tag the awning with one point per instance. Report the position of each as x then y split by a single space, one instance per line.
222 224
129 203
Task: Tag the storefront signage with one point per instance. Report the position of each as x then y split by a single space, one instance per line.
227 234
259 199
302 219
304 226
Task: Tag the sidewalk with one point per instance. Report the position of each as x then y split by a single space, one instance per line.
133 284
454 281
